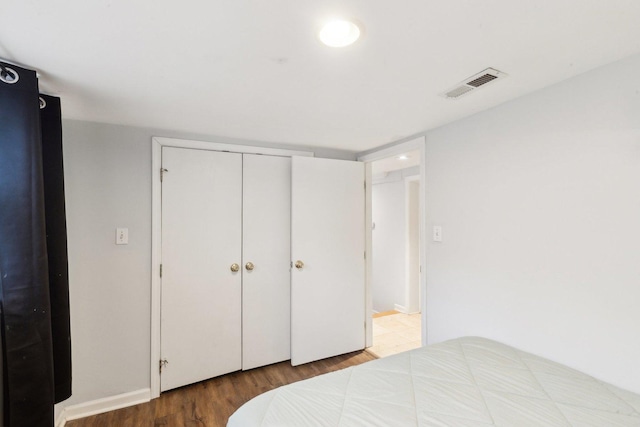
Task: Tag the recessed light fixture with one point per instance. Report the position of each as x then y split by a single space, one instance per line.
339 33
403 157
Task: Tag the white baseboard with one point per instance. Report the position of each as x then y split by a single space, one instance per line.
61 421
400 308
106 404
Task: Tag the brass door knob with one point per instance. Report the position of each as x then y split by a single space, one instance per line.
249 266
299 264
235 267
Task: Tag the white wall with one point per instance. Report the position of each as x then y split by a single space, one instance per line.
539 200
388 244
390 240
108 185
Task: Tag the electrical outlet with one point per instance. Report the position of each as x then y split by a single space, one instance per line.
122 236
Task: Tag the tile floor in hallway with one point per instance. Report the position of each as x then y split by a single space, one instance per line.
395 333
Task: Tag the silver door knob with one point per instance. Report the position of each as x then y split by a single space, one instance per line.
249 266
299 264
235 267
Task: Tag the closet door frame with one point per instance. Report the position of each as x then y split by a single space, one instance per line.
156 231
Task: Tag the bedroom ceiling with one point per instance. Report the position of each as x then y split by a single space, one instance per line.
256 69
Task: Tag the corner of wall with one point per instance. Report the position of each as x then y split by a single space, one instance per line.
99 406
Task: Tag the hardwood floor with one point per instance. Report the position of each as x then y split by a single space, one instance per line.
210 403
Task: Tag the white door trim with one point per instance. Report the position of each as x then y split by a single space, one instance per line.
233 148
410 302
156 231
420 144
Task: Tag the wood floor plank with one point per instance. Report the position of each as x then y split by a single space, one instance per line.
210 403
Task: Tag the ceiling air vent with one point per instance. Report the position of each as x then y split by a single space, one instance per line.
474 82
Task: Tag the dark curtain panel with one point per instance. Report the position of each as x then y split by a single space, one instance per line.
24 278
56 226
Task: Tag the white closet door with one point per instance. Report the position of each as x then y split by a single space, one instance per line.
201 238
266 288
328 236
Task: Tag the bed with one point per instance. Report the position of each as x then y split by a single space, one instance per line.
463 382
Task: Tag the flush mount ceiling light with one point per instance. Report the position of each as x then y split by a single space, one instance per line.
403 157
339 33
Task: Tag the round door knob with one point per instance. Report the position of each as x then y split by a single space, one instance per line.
249 266
299 264
235 267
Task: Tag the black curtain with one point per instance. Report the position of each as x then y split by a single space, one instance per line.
56 227
35 317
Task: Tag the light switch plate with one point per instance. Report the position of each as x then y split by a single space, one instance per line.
122 236
437 233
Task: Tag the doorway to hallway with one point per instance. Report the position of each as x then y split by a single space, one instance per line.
395 277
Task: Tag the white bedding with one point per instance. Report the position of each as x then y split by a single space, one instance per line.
464 382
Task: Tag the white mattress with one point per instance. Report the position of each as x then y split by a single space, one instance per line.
463 382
